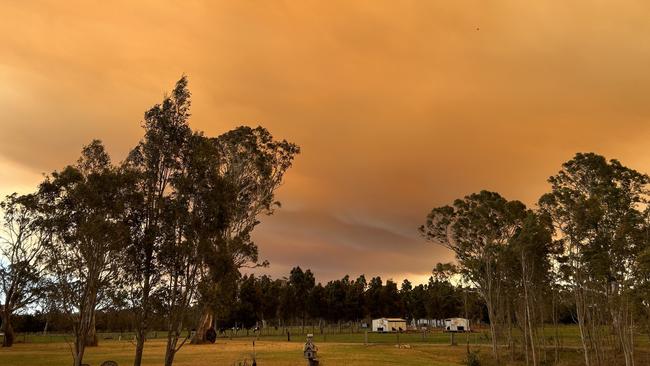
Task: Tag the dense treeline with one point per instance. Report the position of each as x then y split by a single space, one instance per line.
298 300
259 301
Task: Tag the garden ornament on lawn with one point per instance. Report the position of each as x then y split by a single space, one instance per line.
310 350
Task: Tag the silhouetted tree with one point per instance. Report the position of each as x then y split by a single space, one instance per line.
150 167
477 228
596 207
254 164
302 283
21 259
83 214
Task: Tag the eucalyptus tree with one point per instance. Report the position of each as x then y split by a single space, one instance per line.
194 214
253 163
528 257
477 228
82 209
597 211
150 167
201 197
642 290
444 271
21 255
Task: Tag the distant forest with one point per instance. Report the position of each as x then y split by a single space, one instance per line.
297 300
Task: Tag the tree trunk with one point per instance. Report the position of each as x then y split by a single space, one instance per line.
141 323
8 330
83 326
205 323
170 351
91 338
620 321
169 357
47 322
580 312
79 349
556 339
526 331
140 337
493 331
511 339
528 315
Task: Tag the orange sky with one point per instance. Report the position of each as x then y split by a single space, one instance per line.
399 106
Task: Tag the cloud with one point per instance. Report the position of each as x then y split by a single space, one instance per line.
398 107
329 245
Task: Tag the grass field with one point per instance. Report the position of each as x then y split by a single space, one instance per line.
273 349
232 352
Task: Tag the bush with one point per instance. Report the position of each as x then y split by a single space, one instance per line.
472 359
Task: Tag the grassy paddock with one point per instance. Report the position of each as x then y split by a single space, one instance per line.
232 352
272 348
569 336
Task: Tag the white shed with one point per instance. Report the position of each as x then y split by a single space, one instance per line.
388 325
457 325
428 323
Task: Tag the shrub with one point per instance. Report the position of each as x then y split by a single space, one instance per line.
472 359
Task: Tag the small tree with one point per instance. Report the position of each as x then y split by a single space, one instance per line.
21 254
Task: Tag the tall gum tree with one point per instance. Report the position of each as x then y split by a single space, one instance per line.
253 164
197 211
597 208
192 205
528 266
150 167
82 212
477 228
